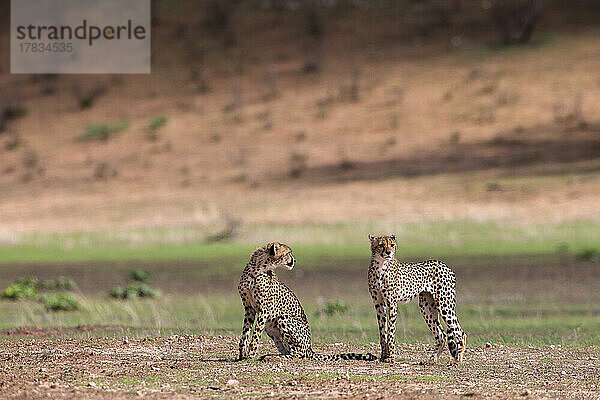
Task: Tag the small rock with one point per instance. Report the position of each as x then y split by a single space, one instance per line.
125 340
233 382
488 345
92 384
526 392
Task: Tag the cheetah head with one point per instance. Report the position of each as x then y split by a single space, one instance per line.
280 255
383 246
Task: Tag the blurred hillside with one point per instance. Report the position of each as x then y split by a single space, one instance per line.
296 112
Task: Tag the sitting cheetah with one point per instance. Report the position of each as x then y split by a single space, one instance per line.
433 281
276 309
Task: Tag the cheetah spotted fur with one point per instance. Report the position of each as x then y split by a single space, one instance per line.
276 309
433 281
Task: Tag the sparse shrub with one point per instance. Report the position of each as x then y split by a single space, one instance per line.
455 137
27 177
298 164
493 186
322 113
216 138
231 230
22 288
27 281
29 287
516 19
295 172
13 112
346 164
30 159
60 283
563 250
506 98
103 170
240 178
88 99
134 290
271 83
103 132
394 122
60 301
314 25
310 67
13 142
235 108
589 255
335 307
300 136
203 86
488 89
158 123
199 79
140 275
350 92
267 126
217 15
48 90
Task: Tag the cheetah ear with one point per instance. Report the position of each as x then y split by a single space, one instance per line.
393 237
371 237
272 249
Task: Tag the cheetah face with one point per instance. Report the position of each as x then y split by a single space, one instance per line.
383 246
280 255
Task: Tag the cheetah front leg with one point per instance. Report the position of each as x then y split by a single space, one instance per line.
249 314
379 304
391 335
258 330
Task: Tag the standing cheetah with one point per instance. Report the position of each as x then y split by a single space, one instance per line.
276 309
433 281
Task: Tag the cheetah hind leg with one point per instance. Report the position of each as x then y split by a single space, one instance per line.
294 338
457 339
459 350
273 331
429 310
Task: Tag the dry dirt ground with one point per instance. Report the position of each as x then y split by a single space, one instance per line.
433 132
35 366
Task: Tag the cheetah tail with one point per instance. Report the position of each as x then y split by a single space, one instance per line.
345 356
